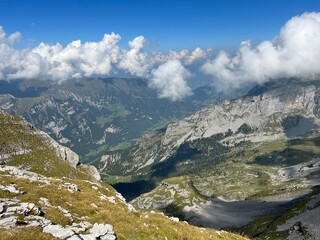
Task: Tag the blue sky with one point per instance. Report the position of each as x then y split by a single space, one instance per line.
166 24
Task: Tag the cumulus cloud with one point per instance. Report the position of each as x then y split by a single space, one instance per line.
169 79
197 54
135 61
58 63
14 37
294 52
55 62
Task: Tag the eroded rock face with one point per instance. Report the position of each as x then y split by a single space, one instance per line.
98 231
281 113
258 112
71 157
63 152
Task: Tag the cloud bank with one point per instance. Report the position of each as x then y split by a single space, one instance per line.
58 63
295 52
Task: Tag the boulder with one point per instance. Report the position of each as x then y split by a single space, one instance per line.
93 171
59 231
8 222
99 230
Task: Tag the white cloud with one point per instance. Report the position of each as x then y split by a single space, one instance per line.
197 54
135 61
169 80
55 62
184 56
295 52
14 37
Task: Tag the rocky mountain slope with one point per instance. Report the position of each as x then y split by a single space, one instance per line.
25 146
256 157
95 116
46 194
285 112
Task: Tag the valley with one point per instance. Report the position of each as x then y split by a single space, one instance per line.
227 166
261 164
96 116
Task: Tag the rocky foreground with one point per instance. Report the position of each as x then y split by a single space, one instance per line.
17 213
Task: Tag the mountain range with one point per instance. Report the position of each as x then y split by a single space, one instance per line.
241 162
95 116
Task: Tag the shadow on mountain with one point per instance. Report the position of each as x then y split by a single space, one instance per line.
19 89
159 171
253 230
173 210
218 214
296 125
309 141
287 157
166 168
135 189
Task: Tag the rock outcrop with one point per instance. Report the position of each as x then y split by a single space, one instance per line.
63 152
11 211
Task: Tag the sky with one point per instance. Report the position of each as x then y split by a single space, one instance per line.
173 44
167 24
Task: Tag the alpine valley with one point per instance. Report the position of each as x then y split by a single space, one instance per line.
95 116
248 163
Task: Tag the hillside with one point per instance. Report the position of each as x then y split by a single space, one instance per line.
44 196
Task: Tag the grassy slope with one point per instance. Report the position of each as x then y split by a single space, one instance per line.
248 174
16 136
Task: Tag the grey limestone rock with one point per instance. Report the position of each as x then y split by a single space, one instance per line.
8 222
59 231
93 171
